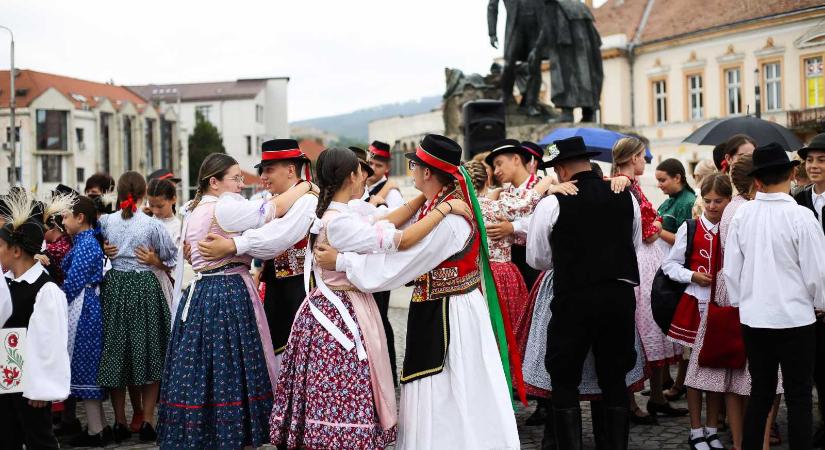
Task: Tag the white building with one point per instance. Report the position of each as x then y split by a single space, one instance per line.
403 133
246 112
68 129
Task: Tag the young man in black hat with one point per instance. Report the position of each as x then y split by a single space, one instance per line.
380 164
511 162
382 299
454 393
775 273
589 240
281 242
813 198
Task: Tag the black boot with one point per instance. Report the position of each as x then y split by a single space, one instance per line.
568 428
539 416
588 115
548 441
599 432
617 427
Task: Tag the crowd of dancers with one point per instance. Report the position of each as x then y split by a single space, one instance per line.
559 288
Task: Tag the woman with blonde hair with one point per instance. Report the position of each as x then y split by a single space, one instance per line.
629 161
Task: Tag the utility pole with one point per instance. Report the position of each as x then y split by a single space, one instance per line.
12 125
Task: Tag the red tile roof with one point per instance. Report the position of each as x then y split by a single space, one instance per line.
674 18
77 91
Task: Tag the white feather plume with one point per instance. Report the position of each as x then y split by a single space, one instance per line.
58 204
109 198
20 205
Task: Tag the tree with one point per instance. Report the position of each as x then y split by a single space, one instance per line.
202 142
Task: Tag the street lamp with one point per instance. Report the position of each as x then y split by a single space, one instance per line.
12 127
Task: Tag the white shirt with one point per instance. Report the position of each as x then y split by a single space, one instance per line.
819 203
173 226
387 271
46 366
539 250
775 263
674 264
394 199
277 235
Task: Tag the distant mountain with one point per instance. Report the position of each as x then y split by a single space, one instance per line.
354 125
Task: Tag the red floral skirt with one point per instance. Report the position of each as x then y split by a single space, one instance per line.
513 292
686 321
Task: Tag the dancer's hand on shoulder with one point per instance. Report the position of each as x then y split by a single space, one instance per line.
459 208
568 188
619 184
325 256
216 247
42 259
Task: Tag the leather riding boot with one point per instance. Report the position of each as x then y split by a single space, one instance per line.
588 115
566 115
617 427
568 428
548 441
597 417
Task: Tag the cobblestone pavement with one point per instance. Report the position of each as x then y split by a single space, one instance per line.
669 434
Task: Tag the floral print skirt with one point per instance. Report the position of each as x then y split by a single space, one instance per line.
324 398
216 390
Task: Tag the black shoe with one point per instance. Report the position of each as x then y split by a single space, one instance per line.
539 417
646 419
645 393
85 439
665 409
597 411
819 438
148 433
69 428
548 440
680 392
568 428
715 437
108 435
121 432
694 442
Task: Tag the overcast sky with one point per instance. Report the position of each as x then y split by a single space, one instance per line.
339 55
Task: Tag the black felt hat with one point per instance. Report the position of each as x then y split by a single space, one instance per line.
439 152
507 146
163 174
362 158
535 149
771 156
817 143
380 150
280 150
565 150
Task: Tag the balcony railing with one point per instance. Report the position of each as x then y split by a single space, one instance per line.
806 118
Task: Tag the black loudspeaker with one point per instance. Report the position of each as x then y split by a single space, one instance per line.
483 126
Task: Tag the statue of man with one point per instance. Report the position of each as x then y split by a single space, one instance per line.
520 36
571 42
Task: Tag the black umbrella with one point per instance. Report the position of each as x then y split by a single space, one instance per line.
762 131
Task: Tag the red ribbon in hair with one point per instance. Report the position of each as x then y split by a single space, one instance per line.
129 203
724 166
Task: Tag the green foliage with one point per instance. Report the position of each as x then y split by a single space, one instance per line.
204 140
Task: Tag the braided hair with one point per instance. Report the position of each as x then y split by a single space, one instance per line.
333 168
131 186
478 174
214 165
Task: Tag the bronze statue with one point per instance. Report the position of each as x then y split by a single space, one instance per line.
571 42
520 37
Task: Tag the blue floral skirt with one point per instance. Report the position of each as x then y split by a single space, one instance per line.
216 392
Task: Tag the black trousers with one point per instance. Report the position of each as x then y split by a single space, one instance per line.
21 424
819 367
282 299
382 299
601 317
793 350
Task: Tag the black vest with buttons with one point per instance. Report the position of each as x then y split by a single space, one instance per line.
593 238
23 296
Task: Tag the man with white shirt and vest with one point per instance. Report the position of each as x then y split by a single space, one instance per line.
589 240
813 198
775 273
281 242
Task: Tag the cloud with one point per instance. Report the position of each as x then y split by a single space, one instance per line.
340 55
